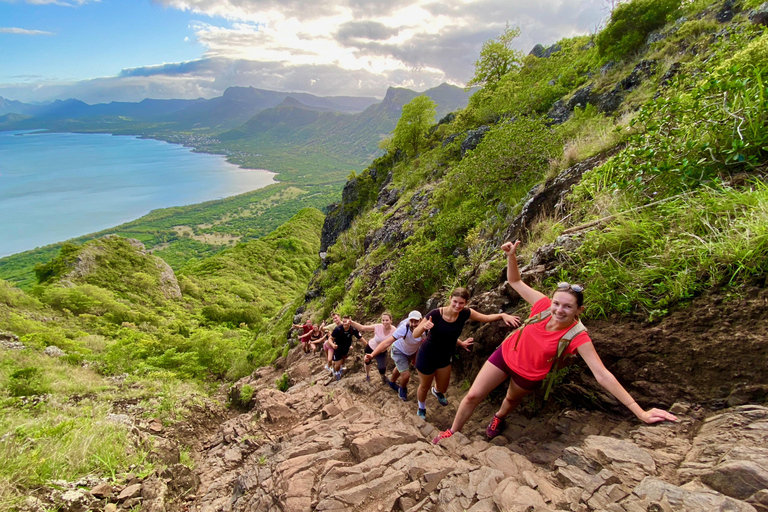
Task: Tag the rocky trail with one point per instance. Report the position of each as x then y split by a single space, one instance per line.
353 445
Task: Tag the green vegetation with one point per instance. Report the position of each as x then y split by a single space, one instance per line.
497 59
128 335
630 24
186 234
411 130
678 209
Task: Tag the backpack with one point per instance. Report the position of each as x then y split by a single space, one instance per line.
559 360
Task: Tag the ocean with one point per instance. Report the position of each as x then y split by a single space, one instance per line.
56 186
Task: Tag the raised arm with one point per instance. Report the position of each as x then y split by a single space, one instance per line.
510 320
305 336
361 327
530 295
425 325
606 379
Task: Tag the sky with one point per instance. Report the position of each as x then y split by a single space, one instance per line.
127 50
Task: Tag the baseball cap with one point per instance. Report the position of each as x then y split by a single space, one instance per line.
414 315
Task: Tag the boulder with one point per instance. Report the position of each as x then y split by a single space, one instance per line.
130 492
657 491
54 351
473 138
759 16
739 479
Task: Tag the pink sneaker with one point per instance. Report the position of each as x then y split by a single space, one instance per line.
495 427
443 435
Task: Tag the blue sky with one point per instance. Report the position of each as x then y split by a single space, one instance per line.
105 50
92 40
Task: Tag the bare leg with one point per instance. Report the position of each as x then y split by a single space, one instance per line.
330 357
514 396
486 381
395 375
425 382
337 365
404 377
442 379
367 370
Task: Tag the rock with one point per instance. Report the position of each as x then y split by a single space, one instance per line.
130 492
75 500
739 479
155 426
10 341
759 500
101 491
581 97
551 50
609 101
375 442
123 419
473 138
153 492
624 456
605 68
537 51
110 507
182 479
165 452
759 16
54 351
511 497
656 490
559 113
726 12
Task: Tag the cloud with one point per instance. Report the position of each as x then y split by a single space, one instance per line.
24 31
338 46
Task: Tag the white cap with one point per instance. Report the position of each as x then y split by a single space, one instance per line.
414 315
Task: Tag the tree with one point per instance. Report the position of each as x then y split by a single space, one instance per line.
630 24
411 130
497 58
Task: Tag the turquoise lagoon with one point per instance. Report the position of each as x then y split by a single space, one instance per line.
56 186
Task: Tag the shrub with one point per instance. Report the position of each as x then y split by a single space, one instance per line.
26 382
283 383
631 23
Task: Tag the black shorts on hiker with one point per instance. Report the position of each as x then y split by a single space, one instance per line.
497 360
381 360
429 361
338 356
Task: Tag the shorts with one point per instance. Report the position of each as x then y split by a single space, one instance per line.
339 355
326 346
497 360
402 361
381 359
431 359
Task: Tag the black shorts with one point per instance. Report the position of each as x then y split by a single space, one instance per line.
338 355
430 359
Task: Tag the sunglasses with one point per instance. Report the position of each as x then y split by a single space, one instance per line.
568 286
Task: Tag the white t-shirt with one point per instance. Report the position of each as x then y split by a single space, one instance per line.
404 340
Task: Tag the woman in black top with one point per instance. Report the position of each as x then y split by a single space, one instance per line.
445 324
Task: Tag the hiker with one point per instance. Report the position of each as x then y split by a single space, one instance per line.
341 342
327 348
404 347
312 339
433 362
305 327
528 353
380 332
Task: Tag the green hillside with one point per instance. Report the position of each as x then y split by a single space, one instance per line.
670 137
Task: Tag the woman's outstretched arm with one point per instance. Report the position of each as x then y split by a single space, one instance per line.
530 295
510 320
606 379
361 327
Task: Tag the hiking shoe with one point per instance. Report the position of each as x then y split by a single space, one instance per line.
495 427
330 369
337 375
326 367
367 378
445 434
403 394
384 380
440 397
394 386
422 413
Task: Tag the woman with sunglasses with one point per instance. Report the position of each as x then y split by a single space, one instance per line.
527 355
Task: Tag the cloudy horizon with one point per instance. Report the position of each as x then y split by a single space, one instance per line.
116 50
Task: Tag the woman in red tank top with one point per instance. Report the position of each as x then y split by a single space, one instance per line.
526 357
